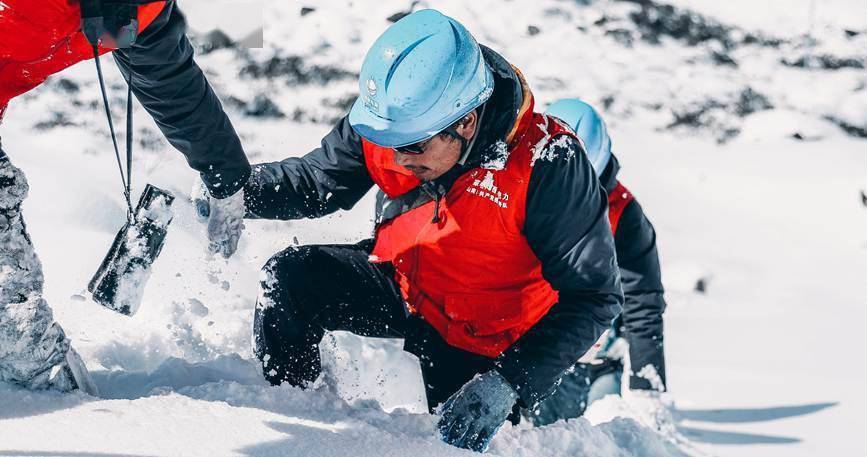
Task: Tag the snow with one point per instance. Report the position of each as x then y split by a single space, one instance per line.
764 362
541 149
498 157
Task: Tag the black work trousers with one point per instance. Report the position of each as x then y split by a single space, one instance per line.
310 289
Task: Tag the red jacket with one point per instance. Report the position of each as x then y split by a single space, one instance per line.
471 274
41 37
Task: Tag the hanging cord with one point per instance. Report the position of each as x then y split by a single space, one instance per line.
124 180
129 128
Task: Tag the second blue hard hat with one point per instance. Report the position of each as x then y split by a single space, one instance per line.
589 126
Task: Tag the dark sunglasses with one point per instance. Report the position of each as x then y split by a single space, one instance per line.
418 148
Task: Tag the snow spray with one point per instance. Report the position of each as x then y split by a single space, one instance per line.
120 280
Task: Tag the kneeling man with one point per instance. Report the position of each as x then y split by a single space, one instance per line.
492 257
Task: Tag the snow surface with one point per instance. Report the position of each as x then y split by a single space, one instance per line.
765 362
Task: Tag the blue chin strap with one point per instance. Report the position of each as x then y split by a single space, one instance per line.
589 126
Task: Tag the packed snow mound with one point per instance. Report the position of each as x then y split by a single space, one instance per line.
226 409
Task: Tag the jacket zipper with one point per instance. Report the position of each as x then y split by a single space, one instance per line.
429 189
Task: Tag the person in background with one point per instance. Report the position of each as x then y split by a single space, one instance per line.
641 323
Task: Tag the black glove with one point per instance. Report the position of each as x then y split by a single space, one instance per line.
472 415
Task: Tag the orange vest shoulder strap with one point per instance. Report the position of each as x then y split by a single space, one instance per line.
618 200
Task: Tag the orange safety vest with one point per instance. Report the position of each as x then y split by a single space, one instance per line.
41 37
472 274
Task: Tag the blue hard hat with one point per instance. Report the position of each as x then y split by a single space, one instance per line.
589 126
419 77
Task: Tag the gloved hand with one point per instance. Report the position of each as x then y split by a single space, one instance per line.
471 416
225 218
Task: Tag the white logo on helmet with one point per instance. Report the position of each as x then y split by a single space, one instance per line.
371 87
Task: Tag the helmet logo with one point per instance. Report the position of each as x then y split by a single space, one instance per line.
369 99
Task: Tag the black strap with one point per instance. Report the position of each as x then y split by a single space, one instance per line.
124 180
129 133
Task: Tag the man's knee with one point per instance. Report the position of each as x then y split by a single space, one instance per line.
285 296
284 332
286 277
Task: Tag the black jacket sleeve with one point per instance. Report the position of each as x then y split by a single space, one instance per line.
172 88
568 229
331 177
644 296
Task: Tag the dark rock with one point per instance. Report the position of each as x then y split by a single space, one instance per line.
857 131
214 40
727 134
762 40
294 71
398 16
622 36
656 20
719 116
851 33
299 115
67 85
750 102
305 10
696 116
723 58
824 62
607 101
802 137
864 199
234 103
262 106
57 119
601 21
532 30
701 286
